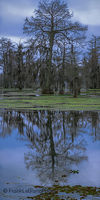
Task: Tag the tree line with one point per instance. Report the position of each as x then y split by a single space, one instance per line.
53 58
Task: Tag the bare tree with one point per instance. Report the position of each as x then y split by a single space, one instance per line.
94 62
7 61
20 66
51 22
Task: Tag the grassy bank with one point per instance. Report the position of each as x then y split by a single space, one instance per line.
27 100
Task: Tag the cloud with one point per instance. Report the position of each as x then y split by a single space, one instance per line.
13 14
87 11
16 10
15 39
90 17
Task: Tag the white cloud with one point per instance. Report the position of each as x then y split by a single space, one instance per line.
15 39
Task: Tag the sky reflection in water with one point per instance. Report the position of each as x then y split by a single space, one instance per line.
42 147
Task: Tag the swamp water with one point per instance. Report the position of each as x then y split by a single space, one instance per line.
45 148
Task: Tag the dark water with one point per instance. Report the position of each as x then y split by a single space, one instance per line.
48 147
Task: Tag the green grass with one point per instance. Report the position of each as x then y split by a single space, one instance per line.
93 92
27 100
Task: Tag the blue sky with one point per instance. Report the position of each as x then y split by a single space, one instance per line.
14 12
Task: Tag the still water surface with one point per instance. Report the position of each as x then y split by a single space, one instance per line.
48 147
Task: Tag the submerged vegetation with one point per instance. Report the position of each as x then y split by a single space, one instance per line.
76 192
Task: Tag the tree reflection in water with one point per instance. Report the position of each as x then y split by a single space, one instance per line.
56 142
55 139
